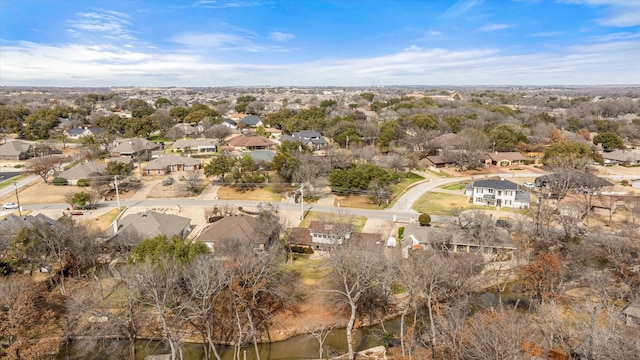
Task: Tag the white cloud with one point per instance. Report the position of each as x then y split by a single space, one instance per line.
213 4
495 27
280 36
459 8
547 34
113 23
595 62
619 13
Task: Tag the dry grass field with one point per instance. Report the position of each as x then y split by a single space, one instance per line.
264 193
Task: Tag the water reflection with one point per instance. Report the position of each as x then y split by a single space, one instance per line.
298 347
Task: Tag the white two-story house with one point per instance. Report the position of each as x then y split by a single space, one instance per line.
497 193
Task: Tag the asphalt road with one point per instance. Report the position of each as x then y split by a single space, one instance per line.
400 212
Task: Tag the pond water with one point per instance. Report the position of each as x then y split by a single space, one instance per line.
297 347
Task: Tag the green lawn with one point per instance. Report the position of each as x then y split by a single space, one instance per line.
357 221
441 204
307 268
457 186
13 180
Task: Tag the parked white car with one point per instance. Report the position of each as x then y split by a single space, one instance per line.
529 185
9 206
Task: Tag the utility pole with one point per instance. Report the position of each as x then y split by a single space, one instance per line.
301 201
15 185
115 181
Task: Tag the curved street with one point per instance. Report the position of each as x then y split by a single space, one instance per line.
401 211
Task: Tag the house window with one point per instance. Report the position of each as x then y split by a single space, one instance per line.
507 202
490 191
478 199
508 193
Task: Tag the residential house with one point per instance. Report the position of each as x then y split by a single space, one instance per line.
502 159
83 170
320 235
15 150
195 146
582 204
171 163
622 157
244 143
492 192
274 133
133 147
436 161
12 223
561 182
150 224
251 121
230 123
493 242
82 132
310 138
241 229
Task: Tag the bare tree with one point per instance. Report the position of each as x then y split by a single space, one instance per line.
441 277
175 133
218 132
355 270
192 182
26 319
320 335
44 166
157 285
205 281
496 335
467 152
311 171
95 315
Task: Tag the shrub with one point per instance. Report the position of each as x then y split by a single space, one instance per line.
83 182
168 181
58 181
424 219
400 232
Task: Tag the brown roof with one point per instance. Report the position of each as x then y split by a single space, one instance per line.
243 228
300 236
510 156
371 238
250 141
436 160
321 227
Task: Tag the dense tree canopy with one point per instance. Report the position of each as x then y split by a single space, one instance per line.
156 248
609 140
359 177
570 151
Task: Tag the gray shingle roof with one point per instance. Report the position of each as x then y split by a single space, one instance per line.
163 162
495 184
433 235
150 224
14 148
83 170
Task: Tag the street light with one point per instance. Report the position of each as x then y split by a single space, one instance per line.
301 201
15 185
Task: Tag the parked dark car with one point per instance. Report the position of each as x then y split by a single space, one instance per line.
503 223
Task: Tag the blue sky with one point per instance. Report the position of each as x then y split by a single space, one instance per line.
319 43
